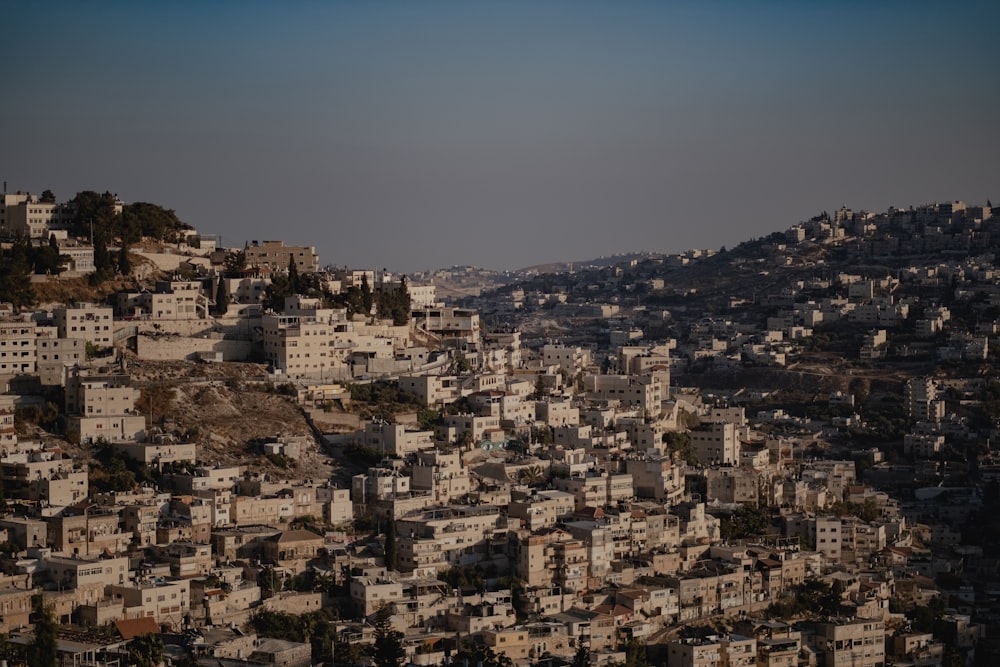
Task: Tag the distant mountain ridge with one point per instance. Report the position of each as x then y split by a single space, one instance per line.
578 265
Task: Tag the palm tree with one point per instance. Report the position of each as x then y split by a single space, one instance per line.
146 650
531 475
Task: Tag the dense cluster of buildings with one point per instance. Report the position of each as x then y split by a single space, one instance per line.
546 497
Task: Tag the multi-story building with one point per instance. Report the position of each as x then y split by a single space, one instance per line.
396 439
379 484
733 485
571 360
23 214
373 587
103 406
541 509
920 398
94 324
713 651
277 255
717 443
81 256
432 389
17 346
166 601
859 643
466 534
440 474
86 531
55 356
8 431
449 323
642 392
170 300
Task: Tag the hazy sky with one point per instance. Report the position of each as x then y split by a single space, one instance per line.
414 135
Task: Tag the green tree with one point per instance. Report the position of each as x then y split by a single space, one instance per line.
124 262
42 651
103 264
391 549
221 298
235 263
541 389
145 650
15 276
428 418
143 219
278 625
747 521
367 300
635 654
268 581
582 657
46 259
531 475
47 197
400 305
680 442
274 295
479 654
293 276
95 213
462 365
387 650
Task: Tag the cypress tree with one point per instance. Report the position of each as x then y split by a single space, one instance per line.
42 651
366 296
294 284
221 298
124 262
391 551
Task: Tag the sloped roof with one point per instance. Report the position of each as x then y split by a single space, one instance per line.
130 628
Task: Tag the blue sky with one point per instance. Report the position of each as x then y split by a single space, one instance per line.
414 135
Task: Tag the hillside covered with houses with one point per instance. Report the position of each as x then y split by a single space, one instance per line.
775 455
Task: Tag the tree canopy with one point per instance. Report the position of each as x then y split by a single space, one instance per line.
15 275
42 651
387 650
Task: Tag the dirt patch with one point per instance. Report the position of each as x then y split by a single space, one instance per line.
228 412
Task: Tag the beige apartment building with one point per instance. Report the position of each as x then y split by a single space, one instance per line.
556 412
641 392
17 346
713 651
88 531
170 300
432 389
717 443
103 406
8 431
56 356
541 509
19 470
23 214
81 256
60 489
440 474
166 601
276 255
466 534
373 587
449 323
87 576
571 360
396 439
95 324
859 643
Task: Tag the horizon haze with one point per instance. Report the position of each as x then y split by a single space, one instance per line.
416 136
